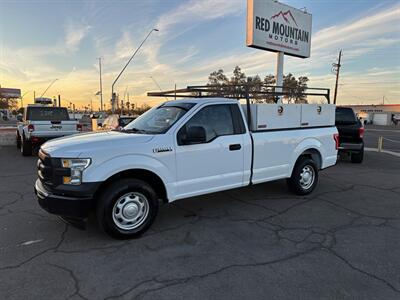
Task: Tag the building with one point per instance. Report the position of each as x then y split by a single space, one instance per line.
382 114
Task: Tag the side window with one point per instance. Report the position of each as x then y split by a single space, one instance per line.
215 119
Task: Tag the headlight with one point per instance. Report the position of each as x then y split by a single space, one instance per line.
76 165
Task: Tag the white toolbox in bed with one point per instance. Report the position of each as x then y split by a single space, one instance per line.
281 116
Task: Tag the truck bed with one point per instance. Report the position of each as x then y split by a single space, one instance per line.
275 152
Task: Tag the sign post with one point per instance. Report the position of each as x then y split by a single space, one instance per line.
279 73
277 27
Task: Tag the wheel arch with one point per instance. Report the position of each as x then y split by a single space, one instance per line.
148 176
311 149
314 154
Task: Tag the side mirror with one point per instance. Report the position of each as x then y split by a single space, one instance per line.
19 118
195 135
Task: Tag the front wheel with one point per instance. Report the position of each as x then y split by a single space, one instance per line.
127 208
304 176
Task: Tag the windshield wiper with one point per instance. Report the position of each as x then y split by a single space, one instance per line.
133 130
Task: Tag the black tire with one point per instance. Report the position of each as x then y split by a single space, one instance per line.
357 157
18 141
26 147
303 164
107 207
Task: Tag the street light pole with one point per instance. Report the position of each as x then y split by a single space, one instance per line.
123 69
101 87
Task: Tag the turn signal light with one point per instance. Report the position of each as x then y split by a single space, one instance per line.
31 128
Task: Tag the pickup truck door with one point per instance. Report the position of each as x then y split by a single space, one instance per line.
218 162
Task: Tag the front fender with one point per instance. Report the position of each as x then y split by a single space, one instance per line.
103 170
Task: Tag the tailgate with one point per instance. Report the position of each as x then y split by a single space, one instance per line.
54 128
348 132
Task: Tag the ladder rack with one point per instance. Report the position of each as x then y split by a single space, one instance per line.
240 91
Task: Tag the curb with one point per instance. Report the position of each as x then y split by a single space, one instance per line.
382 151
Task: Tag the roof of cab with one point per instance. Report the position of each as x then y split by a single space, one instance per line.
201 100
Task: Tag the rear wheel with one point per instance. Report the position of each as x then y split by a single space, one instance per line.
127 208
26 147
304 176
357 157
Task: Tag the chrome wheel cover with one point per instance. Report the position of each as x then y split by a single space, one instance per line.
307 177
130 211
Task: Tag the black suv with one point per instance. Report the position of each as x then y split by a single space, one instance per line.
351 133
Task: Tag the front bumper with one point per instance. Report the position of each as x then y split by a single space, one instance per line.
74 205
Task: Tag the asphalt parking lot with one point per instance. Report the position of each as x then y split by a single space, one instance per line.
261 242
390 134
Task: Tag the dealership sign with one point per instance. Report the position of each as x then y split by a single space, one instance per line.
278 27
8 93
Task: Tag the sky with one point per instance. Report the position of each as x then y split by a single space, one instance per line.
41 41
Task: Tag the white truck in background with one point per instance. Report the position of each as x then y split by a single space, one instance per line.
180 149
40 123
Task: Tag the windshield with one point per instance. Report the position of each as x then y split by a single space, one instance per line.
125 121
159 119
47 114
345 115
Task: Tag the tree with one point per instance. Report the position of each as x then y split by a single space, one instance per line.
238 84
301 88
238 76
269 83
216 79
289 87
11 103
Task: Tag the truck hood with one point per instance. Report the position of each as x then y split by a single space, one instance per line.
73 145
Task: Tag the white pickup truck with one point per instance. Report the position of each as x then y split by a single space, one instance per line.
40 123
181 149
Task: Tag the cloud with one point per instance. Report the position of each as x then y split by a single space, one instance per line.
183 18
124 46
197 11
359 38
74 34
386 21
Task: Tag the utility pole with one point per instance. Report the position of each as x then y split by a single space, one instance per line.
336 69
59 100
101 86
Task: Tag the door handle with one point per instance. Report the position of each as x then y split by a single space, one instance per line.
235 147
